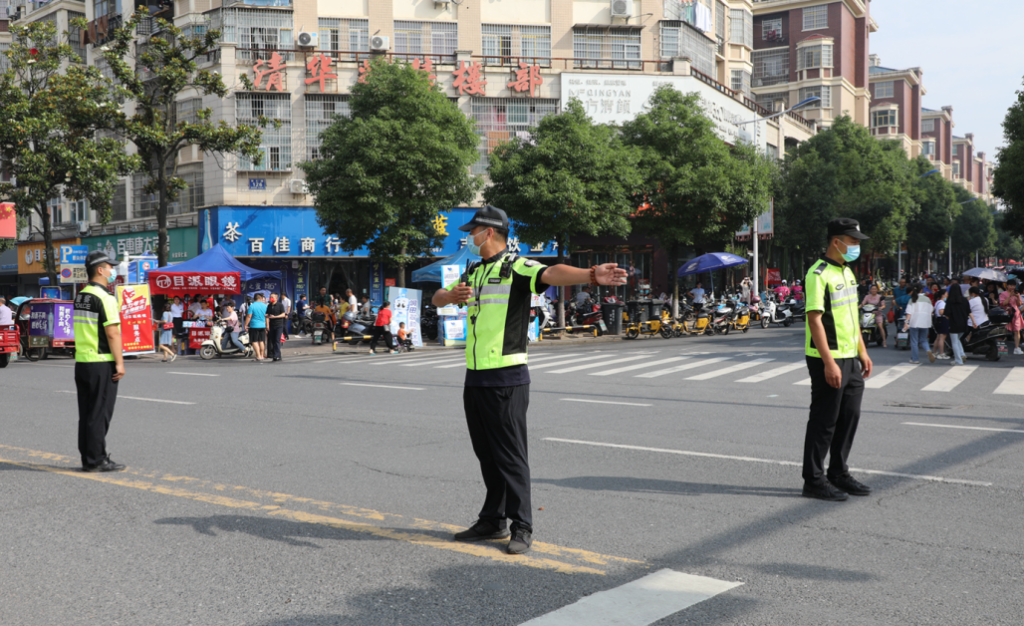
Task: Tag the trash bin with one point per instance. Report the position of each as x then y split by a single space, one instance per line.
655 307
637 310
612 313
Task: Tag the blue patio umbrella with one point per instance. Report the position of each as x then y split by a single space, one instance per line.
709 263
17 301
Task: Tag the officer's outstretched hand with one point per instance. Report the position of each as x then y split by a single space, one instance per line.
118 372
609 274
461 293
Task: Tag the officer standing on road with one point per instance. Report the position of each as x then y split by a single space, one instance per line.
98 362
838 363
497 388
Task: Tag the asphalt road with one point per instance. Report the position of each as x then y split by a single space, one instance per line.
324 489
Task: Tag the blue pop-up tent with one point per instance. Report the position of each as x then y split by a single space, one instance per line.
433 273
217 259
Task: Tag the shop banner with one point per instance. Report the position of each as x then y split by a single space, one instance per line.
163 282
136 319
197 335
405 307
773 276
8 221
376 283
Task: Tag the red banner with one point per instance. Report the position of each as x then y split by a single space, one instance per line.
773 276
171 283
8 221
136 319
197 335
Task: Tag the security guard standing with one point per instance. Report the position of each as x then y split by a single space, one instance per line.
838 362
98 362
497 388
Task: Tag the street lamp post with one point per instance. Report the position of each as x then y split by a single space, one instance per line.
753 227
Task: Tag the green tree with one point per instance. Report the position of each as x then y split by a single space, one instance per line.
932 225
1008 245
572 177
388 170
973 229
695 188
164 67
845 172
1008 178
50 109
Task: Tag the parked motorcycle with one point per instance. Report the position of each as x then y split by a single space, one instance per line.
586 316
214 346
990 339
321 332
302 323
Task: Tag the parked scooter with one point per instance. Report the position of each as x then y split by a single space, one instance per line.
869 329
302 323
774 313
586 316
214 346
989 339
321 332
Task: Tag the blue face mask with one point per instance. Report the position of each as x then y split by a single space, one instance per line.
473 248
851 254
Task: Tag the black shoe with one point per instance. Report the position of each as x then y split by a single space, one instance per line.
106 466
277 359
521 541
823 491
483 530
851 486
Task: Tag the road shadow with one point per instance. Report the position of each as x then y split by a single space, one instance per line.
299 534
670 487
814 572
38 467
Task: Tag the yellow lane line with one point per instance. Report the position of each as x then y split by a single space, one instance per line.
490 550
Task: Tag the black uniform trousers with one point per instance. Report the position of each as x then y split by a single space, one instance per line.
497 427
274 341
97 393
833 420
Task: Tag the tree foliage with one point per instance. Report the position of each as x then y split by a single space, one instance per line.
51 106
571 177
1008 178
387 171
932 225
973 229
1008 245
163 68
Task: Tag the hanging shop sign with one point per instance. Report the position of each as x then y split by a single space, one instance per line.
182 243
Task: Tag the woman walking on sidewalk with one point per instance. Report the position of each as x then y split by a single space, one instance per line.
382 326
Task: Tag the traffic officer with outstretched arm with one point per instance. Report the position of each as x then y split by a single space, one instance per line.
497 388
98 362
838 363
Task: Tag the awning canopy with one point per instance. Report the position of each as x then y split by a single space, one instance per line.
214 271
433 272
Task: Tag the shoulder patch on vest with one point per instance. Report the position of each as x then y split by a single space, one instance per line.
529 263
820 269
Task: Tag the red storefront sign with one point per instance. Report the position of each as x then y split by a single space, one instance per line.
197 335
773 276
171 283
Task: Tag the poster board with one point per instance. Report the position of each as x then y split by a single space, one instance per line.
405 307
197 334
51 320
136 311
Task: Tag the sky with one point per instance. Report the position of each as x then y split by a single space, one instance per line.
970 53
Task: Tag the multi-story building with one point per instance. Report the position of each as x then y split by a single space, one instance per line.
937 138
963 161
807 48
896 104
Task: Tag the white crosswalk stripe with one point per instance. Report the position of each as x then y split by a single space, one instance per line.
729 370
1013 384
569 362
952 378
588 366
447 359
683 368
630 368
533 359
877 381
772 373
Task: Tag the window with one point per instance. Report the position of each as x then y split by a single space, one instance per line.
810 57
768 100
75 35
928 126
4 61
825 93
320 113
928 148
276 145
884 118
956 150
771 151
344 35
617 48
680 39
119 203
144 204
257 32
883 90
771 67
720 21
58 216
435 39
501 41
500 119
101 8
956 169
187 110
771 30
741 81
741 27
816 17
191 197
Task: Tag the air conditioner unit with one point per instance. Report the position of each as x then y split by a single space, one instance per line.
622 8
380 43
309 40
83 227
298 186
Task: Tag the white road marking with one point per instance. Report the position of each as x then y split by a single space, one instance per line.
637 603
952 378
136 398
458 359
629 368
778 371
603 402
1013 384
571 361
992 430
588 366
684 367
805 382
877 381
729 370
382 386
193 374
377 360
532 360
748 459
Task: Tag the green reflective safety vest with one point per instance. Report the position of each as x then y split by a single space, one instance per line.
498 316
95 309
832 289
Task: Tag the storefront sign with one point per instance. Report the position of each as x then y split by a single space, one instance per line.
618 98
182 243
527 78
197 335
136 319
773 276
163 282
405 308
32 255
376 283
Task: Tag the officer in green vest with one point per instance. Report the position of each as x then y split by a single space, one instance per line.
838 363
98 362
497 387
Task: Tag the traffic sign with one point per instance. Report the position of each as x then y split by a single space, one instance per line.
73 255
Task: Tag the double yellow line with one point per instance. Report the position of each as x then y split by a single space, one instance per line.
384 525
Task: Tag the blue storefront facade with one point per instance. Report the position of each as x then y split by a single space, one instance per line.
289 240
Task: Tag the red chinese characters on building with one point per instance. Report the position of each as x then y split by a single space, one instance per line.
468 79
364 71
426 65
272 73
319 66
528 78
